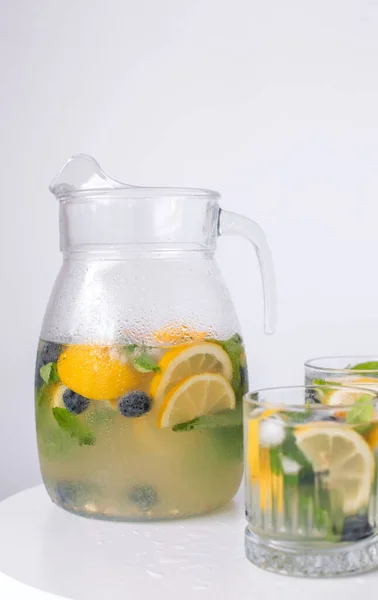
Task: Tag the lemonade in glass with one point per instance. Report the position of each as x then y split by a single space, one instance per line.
311 480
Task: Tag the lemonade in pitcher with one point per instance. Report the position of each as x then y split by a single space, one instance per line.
141 431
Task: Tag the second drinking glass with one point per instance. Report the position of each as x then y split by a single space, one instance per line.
347 370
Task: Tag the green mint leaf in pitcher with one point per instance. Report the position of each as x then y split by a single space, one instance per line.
145 364
41 396
49 373
234 348
130 348
227 442
229 418
70 423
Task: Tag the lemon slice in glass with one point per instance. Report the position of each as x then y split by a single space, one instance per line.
345 397
345 459
204 394
184 361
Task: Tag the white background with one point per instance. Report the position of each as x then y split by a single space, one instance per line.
274 104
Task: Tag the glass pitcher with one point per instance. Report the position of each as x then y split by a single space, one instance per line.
141 368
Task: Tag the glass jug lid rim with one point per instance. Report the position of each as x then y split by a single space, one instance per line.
133 192
82 176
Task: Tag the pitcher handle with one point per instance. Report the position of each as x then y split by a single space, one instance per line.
233 224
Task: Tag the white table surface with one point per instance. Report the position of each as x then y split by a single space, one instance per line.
47 553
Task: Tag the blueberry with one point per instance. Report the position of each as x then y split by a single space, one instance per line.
67 492
356 527
134 404
72 494
244 379
38 381
50 352
145 496
311 396
325 417
75 403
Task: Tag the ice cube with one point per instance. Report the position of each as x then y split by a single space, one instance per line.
272 433
290 466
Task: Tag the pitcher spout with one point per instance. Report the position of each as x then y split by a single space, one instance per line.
80 173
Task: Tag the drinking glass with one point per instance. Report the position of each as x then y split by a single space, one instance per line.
348 370
311 481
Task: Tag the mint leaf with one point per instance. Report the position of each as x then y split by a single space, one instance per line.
70 423
326 383
362 412
49 373
299 416
145 364
327 386
366 366
40 397
130 347
295 417
364 429
140 358
291 450
227 418
275 460
227 442
234 348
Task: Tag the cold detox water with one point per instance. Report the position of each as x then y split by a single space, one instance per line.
140 432
311 476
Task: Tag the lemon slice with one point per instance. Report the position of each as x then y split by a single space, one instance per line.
178 333
341 398
184 361
345 459
56 395
254 439
204 394
345 397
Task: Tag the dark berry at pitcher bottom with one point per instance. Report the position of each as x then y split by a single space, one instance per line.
144 496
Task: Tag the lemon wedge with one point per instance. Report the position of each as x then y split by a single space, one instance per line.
185 361
96 372
204 394
345 459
